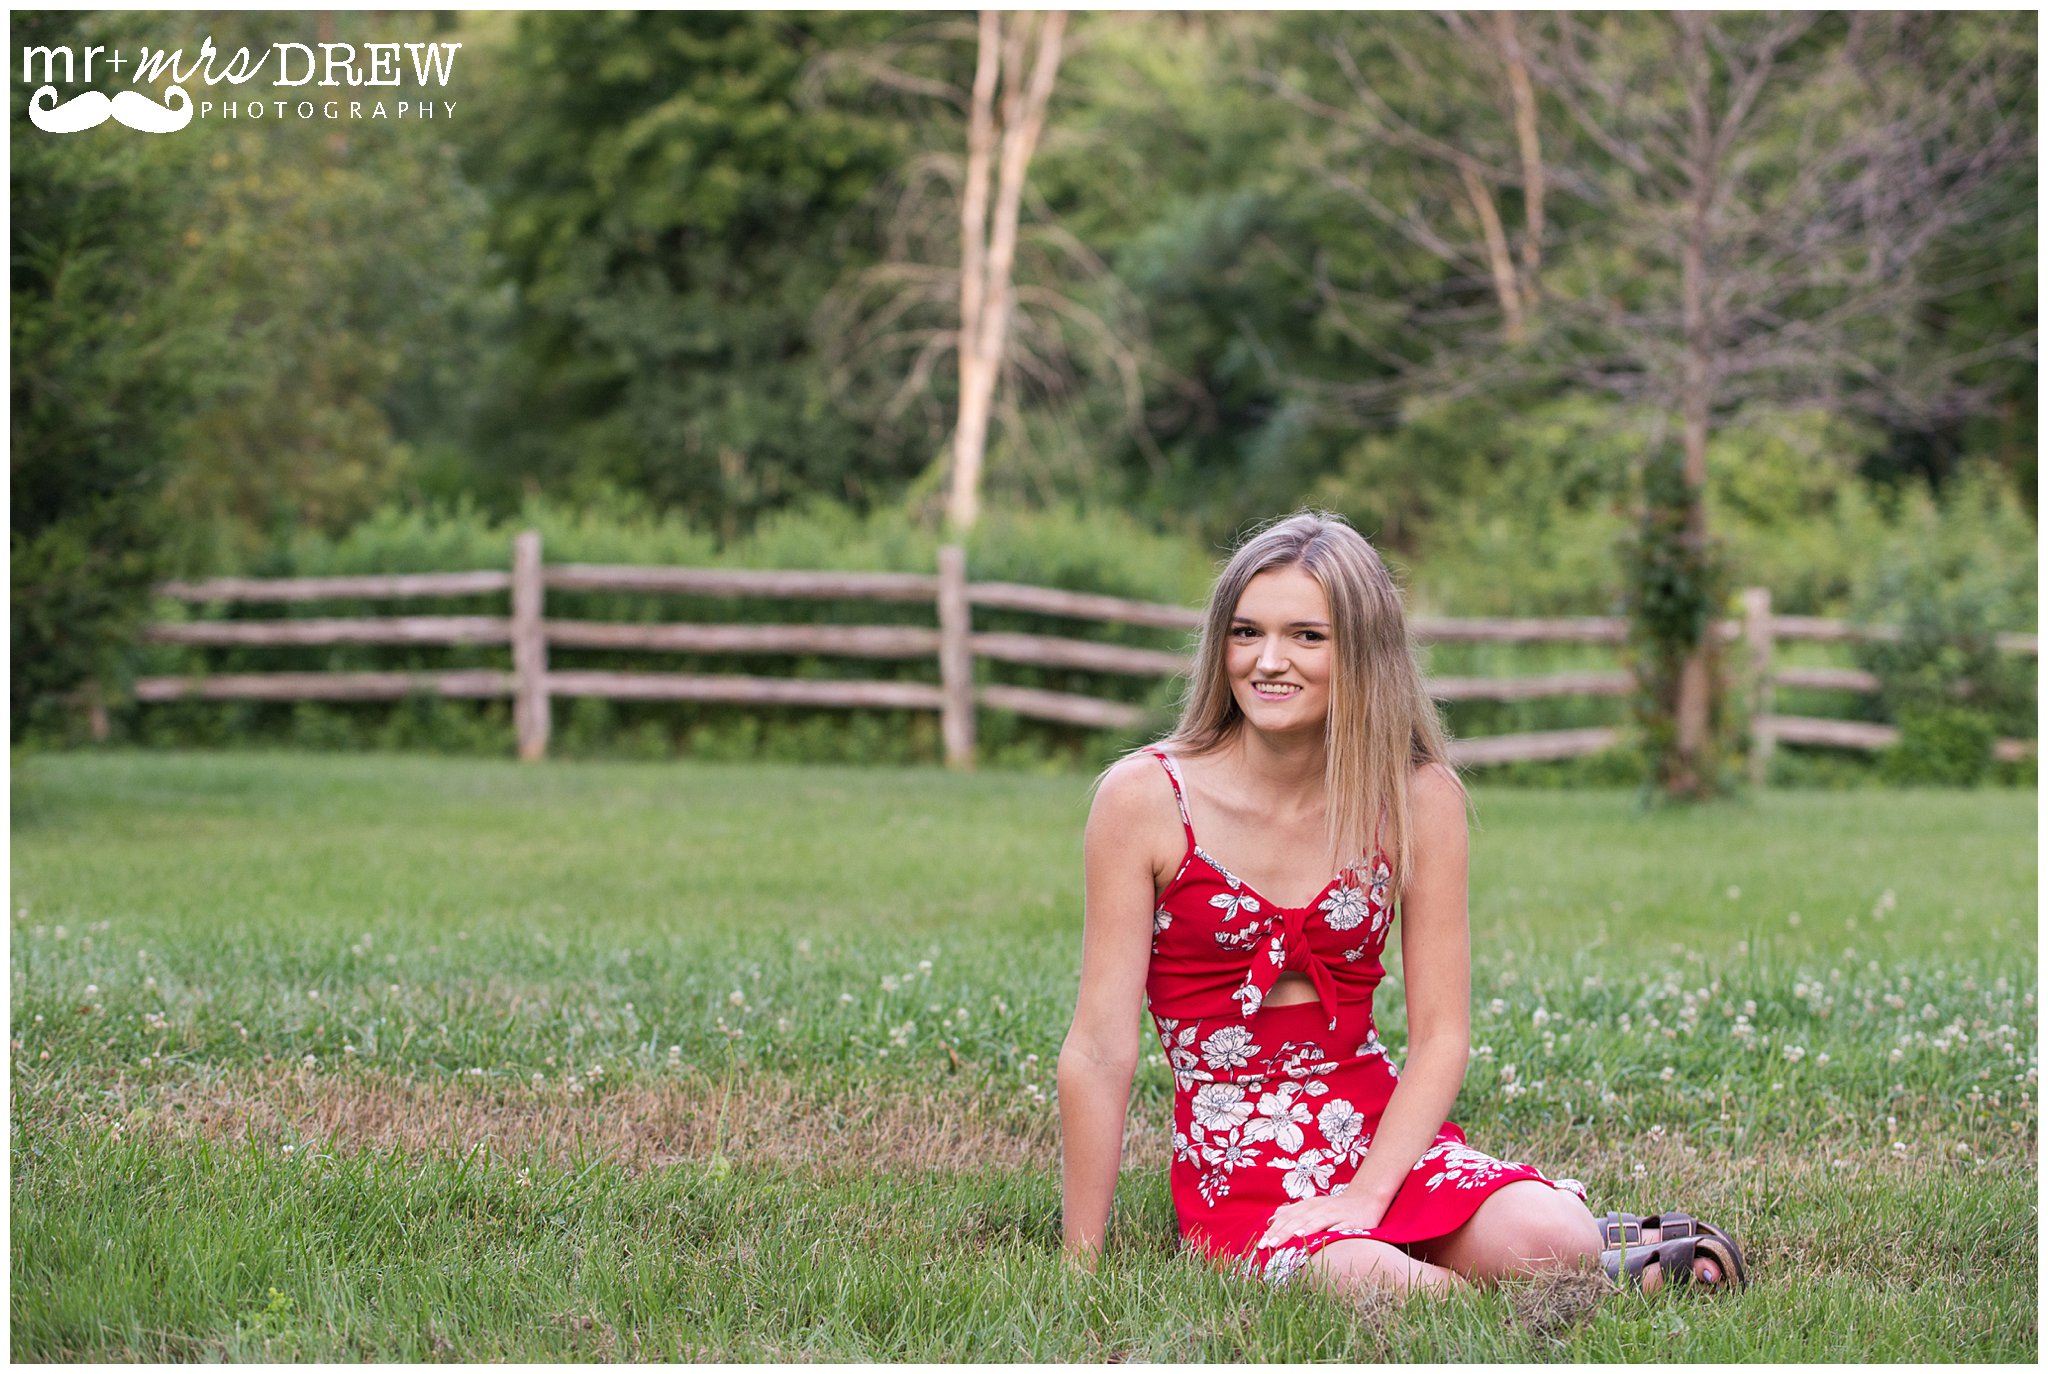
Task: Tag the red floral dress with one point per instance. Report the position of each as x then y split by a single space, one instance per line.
1275 1104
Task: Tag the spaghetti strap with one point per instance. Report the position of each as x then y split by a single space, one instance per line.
1179 798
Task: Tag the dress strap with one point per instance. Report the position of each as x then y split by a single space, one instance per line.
1179 797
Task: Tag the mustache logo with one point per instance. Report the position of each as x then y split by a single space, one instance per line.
90 108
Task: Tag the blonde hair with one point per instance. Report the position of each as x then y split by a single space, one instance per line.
1382 723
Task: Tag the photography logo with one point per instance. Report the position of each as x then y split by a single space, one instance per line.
365 75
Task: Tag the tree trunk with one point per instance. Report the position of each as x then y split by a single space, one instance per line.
1505 288
1526 139
1691 772
989 233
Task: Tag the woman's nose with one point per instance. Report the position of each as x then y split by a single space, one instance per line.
1271 660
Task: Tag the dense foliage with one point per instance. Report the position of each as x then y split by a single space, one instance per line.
651 272
97 391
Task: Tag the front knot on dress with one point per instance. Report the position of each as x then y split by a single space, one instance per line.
1287 950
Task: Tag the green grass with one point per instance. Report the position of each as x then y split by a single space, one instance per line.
865 974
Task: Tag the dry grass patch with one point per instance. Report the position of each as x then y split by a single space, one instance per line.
639 1125
1550 1306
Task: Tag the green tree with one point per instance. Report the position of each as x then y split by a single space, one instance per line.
672 213
336 272
98 386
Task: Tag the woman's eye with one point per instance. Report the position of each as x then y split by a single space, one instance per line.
1241 631
1313 636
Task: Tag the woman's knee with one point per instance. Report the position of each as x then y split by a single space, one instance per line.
1530 1224
1549 1224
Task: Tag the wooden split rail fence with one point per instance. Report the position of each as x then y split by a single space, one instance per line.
532 684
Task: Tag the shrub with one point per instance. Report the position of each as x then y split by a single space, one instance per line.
1941 746
1952 577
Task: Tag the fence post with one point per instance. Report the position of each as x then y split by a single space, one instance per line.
529 649
956 658
95 706
1756 633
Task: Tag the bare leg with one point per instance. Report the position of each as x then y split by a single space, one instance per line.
1523 1228
1528 1227
1356 1266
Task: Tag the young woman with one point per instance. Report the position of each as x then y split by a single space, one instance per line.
1309 746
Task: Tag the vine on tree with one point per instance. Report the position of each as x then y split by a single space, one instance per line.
1675 581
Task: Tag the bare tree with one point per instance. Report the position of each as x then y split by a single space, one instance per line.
1769 208
988 235
1035 320
1456 217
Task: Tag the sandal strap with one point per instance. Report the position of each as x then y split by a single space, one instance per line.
1626 1265
1674 1224
1619 1229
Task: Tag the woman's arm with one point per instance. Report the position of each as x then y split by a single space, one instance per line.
1100 1055
1436 971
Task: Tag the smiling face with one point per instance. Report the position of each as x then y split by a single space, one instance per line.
1279 657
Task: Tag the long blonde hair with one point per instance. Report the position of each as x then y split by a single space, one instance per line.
1382 722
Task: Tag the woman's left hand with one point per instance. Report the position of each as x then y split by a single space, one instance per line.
1319 1214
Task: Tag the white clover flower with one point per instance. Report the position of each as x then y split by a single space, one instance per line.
1667 1073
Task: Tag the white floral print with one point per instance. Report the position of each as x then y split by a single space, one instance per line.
1279 1118
1223 1153
1285 1263
1161 919
1229 1048
1344 908
1304 1059
1307 1175
1230 903
1210 859
1239 939
1341 1123
1219 1107
1459 1165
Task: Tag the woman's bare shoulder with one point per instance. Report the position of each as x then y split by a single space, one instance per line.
1134 802
1132 787
1436 793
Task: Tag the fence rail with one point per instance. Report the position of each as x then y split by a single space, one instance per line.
532 684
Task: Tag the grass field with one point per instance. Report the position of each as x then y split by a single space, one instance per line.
401 1058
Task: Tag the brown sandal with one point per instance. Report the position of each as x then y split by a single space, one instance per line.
1625 1255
